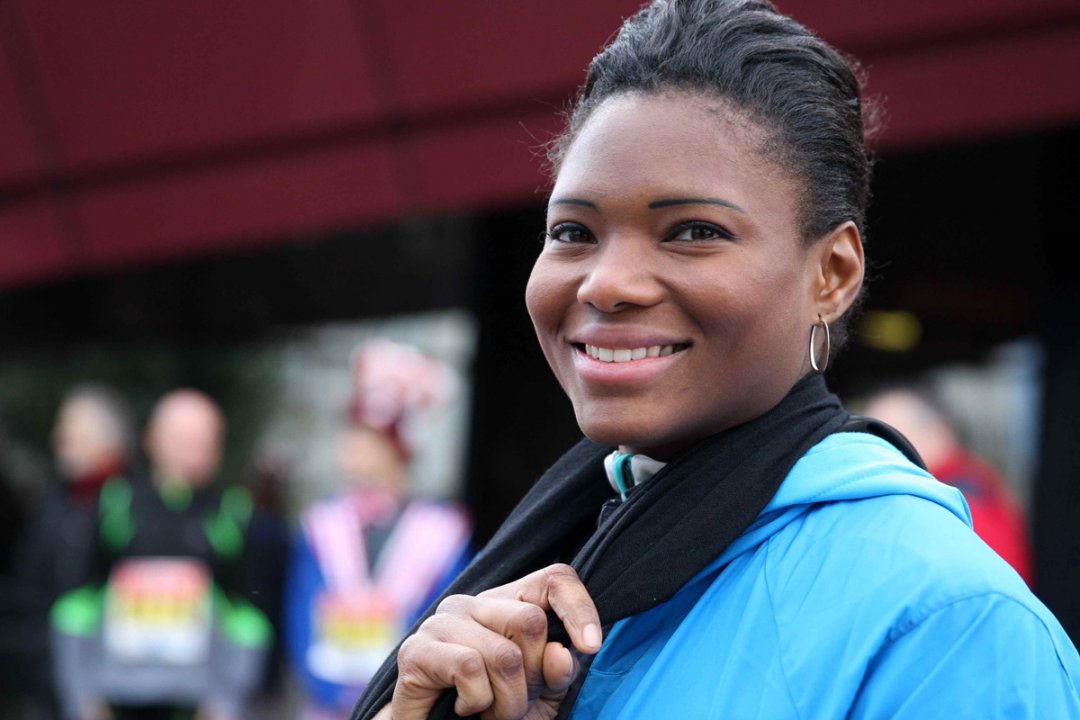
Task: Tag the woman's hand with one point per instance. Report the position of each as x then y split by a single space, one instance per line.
493 649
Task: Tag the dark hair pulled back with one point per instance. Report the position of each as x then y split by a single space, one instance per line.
785 78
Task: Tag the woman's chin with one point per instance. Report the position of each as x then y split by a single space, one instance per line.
634 437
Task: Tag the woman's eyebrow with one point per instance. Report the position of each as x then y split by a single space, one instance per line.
573 201
657 204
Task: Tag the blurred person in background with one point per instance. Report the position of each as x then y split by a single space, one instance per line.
369 560
997 516
20 641
163 629
92 442
268 544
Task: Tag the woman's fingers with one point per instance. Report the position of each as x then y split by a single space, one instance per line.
502 640
493 648
558 588
560 668
523 624
575 607
509 635
427 667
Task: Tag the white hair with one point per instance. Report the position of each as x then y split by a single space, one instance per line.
113 418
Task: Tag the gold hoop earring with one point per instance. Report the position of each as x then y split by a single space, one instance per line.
813 355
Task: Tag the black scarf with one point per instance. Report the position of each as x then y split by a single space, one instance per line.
668 529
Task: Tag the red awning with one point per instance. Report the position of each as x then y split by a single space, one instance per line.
136 132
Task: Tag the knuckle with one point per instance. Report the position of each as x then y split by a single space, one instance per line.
437 626
408 652
428 627
453 603
507 660
531 622
490 592
561 572
470 666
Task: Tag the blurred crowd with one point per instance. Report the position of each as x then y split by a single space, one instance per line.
145 585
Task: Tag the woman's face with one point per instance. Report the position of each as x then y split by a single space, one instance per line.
674 295
370 460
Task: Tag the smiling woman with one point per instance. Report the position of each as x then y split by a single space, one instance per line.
669 228
760 552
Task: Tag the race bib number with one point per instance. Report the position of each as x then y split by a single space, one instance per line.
159 610
353 634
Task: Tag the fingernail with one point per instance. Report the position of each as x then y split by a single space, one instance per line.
591 635
574 665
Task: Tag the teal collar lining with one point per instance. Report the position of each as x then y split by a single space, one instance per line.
626 470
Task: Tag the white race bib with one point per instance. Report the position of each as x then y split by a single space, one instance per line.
353 634
159 610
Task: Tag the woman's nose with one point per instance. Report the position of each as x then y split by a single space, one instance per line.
621 276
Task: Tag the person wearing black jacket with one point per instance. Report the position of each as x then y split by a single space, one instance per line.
163 624
92 443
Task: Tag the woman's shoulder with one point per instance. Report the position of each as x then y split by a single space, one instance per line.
879 540
902 549
859 507
935 609
889 587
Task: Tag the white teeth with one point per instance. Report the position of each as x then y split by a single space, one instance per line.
626 355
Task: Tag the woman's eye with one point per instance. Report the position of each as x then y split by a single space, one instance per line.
570 233
697 231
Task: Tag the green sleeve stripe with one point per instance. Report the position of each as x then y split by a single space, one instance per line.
237 503
225 529
224 535
78 612
244 624
115 493
117 525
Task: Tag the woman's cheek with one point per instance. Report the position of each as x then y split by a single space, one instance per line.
542 297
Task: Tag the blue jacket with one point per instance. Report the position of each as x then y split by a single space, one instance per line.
860 592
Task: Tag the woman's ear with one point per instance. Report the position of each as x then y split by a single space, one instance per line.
842 265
